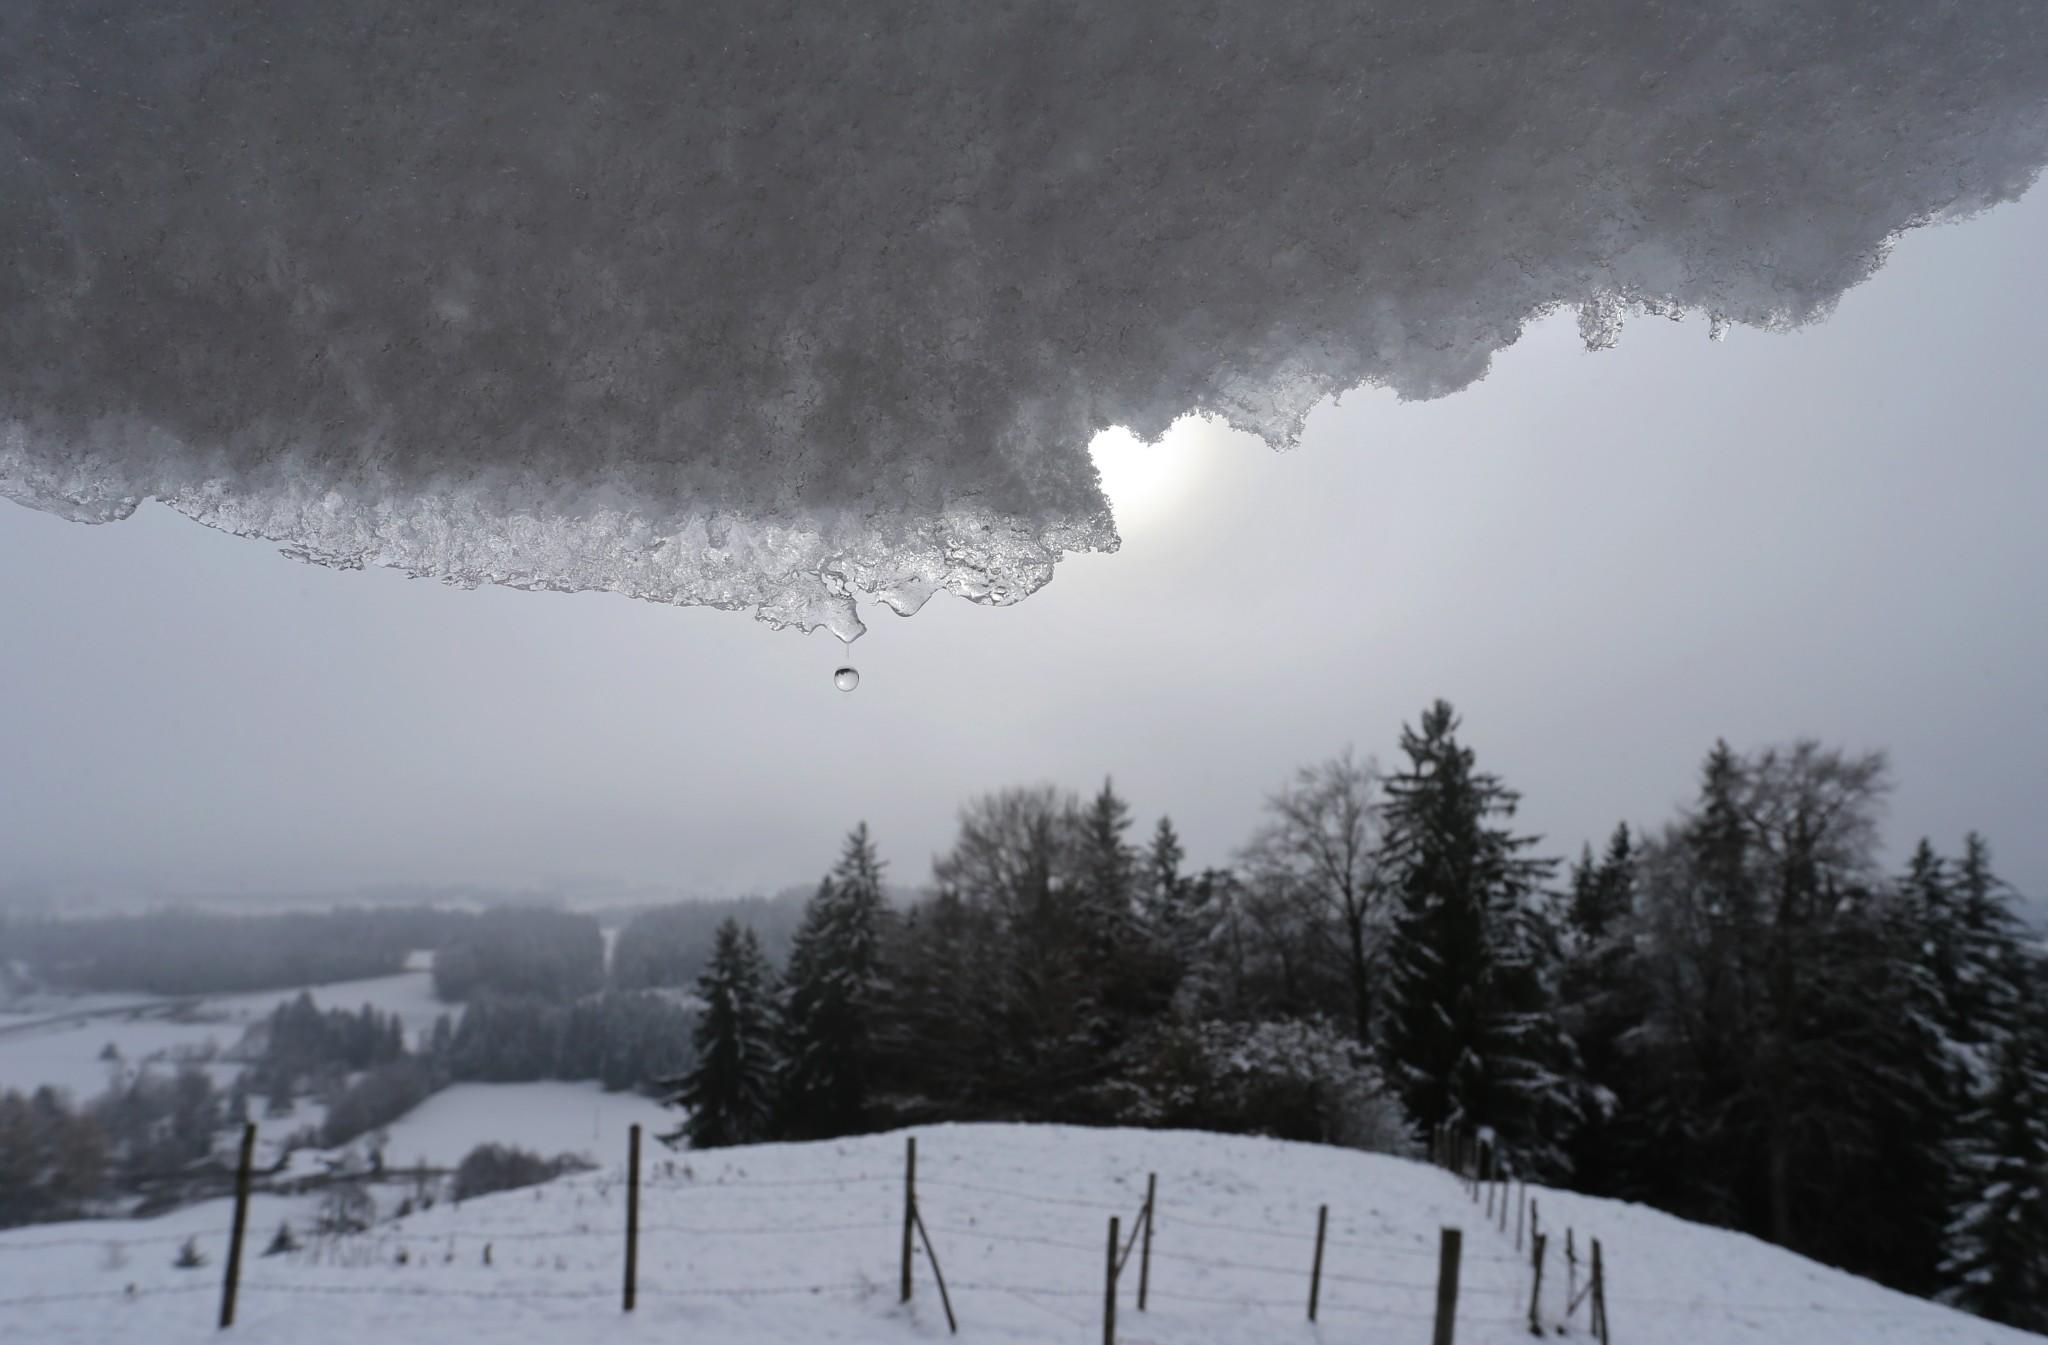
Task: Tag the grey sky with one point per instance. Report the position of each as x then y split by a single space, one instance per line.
1604 560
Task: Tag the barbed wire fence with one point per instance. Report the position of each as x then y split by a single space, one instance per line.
1501 1269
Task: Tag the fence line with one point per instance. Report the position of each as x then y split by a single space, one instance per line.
1031 1196
1478 1165
147 1240
790 1230
779 1184
1168 1219
988 1235
91 1295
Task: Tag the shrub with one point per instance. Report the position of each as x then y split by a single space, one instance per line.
501 1167
1291 1079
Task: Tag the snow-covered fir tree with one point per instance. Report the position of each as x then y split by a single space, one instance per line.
1473 1037
833 992
1997 1263
1987 997
1600 1002
1105 873
730 1092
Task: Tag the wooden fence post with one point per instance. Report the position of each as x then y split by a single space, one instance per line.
1571 1273
1145 1248
1315 1274
909 1206
1536 1286
1447 1287
632 1214
1506 1186
1490 1178
1521 1211
232 1279
1599 1295
1109 1288
1535 1222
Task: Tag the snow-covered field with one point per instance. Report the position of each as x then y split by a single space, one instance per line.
547 1118
58 1040
800 1242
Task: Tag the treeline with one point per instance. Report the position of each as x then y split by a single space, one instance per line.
177 952
505 950
624 1039
667 946
1736 1015
554 955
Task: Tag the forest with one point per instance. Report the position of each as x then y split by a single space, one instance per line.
1735 1014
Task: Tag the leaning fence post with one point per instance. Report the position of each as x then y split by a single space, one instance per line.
938 1275
1506 1185
1599 1295
1490 1178
1315 1274
1536 1286
1447 1286
909 1205
1109 1288
1535 1222
1145 1248
232 1279
632 1214
1521 1210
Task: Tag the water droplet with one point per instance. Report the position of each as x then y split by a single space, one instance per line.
846 679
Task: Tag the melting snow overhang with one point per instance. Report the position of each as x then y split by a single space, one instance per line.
756 304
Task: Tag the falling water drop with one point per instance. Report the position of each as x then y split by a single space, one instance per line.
846 679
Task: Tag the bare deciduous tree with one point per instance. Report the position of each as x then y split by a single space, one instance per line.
1319 848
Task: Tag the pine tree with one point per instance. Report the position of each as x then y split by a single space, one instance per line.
730 1092
1125 981
1602 893
1986 999
1473 1038
1163 881
1178 922
832 997
1106 873
1997 1264
1601 999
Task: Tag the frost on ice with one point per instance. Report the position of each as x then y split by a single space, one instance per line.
758 304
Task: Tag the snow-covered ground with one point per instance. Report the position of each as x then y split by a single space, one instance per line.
58 1040
547 1118
800 1242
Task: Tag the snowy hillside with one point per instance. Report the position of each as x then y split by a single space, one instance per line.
801 1243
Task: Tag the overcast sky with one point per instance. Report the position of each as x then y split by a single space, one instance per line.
1604 561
